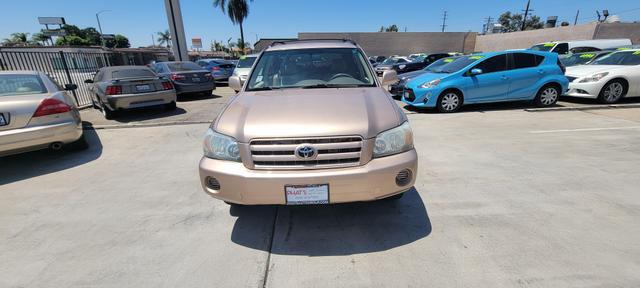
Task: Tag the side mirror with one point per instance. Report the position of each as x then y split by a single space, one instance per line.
234 83
88 81
389 77
475 71
70 87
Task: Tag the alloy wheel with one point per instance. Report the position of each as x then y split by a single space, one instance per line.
613 92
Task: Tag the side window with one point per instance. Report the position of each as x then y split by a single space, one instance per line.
494 64
401 60
98 76
561 48
526 60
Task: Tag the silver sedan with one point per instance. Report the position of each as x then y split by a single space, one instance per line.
36 113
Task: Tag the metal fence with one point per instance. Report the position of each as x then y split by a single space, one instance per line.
62 67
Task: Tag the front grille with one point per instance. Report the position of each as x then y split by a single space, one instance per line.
332 152
408 95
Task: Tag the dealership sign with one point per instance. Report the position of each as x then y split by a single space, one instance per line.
51 20
196 43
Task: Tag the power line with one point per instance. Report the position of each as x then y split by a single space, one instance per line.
444 20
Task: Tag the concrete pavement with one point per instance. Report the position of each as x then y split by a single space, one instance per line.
504 198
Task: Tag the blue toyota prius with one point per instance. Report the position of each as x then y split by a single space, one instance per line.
490 77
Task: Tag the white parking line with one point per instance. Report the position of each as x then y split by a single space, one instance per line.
583 130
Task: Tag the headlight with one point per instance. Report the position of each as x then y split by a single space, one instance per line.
594 77
394 141
430 84
221 147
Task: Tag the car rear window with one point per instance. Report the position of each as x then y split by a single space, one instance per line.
16 84
526 60
131 73
183 66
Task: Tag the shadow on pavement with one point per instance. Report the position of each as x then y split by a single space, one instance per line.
516 105
136 115
340 229
581 100
197 96
32 164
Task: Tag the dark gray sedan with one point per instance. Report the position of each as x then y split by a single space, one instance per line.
125 87
187 77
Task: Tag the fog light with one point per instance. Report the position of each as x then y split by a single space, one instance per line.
212 183
404 177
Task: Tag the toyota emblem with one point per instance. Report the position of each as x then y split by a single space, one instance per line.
306 151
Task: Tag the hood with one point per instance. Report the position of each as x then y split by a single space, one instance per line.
309 113
588 70
410 75
425 77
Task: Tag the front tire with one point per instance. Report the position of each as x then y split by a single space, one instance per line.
612 92
449 102
547 96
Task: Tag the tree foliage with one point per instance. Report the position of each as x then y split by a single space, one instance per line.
391 28
164 38
513 22
237 10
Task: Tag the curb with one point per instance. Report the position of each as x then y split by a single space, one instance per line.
90 126
602 107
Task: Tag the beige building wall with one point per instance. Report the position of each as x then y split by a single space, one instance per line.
525 39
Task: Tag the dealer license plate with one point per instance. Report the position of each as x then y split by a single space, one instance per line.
307 194
143 87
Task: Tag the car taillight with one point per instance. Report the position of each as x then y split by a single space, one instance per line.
208 76
167 85
175 77
51 106
215 68
113 90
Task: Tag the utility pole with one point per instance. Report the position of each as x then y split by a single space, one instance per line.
575 22
99 26
526 13
444 20
488 25
153 40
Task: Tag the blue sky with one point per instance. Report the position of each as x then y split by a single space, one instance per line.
138 19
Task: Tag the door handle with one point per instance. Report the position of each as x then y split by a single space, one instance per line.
540 72
504 77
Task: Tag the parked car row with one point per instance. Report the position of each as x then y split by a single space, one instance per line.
401 64
515 75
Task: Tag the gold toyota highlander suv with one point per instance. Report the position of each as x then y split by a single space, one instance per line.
311 125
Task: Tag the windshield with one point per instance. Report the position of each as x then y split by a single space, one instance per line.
459 63
246 62
309 68
577 59
543 47
436 66
16 84
619 58
130 73
183 66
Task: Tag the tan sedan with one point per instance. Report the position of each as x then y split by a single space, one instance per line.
36 113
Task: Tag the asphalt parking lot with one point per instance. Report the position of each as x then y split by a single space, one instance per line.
505 197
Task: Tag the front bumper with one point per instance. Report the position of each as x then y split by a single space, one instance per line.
422 97
586 90
38 137
128 101
372 181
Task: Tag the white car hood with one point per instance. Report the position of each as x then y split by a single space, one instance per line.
588 70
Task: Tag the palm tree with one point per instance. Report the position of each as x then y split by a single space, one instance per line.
238 10
16 39
164 38
40 38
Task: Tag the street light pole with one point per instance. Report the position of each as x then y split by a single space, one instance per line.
100 26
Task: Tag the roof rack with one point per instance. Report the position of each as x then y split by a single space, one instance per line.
306 40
